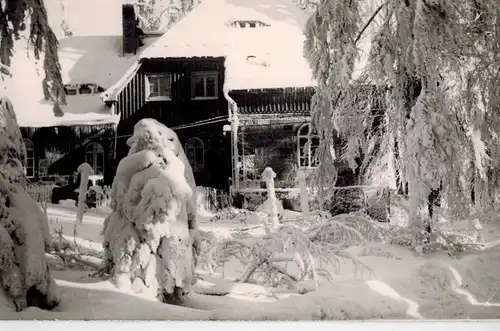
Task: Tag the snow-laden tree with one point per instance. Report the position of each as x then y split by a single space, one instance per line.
24 229
158 15
435 64
151 238
15 16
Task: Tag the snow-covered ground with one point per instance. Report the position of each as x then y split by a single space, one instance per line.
403 285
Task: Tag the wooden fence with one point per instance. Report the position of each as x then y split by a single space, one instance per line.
214 199
363 198
41 193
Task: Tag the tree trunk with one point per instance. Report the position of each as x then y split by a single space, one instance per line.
24 228
151 238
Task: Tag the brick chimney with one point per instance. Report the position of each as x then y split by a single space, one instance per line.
129 33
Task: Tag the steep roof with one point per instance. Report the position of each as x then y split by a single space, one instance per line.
84 60
206 32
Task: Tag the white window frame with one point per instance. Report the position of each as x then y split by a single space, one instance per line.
195 143
307 147
94 148
28 145
149 77
204 75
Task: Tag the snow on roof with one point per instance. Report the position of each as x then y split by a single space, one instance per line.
93 59
83 59
85 18
206 32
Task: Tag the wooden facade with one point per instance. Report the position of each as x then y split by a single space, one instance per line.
197 121
54 153
181 109
288 101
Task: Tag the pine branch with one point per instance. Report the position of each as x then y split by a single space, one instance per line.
5 70
78 259
370 20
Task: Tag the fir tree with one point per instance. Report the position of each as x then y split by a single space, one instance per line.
157 15
438 60
14 16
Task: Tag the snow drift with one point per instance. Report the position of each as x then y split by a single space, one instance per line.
151 238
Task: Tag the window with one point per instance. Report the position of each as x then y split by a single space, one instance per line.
247 24
307 144
195 153
159 87
70 90
29 165
204 85
87 88
77 89
94 156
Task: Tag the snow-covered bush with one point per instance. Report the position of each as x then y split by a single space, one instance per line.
376 206
24 230
345 201
151 238
315 246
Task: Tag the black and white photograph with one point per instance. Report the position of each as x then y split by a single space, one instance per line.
249 160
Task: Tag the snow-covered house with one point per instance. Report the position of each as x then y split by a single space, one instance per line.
231 79
87 132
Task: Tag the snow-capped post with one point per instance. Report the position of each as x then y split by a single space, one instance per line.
304 199
85 170
268 176
478 235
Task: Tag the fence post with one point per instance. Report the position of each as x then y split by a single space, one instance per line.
268 176
304 198
85 170
477 230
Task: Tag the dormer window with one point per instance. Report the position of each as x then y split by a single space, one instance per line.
247 24
263 60
85 89
70 90
76 89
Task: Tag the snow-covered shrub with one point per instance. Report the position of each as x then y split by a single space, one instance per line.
254 200
348 229
345 201
407 236
208 240
237 216
315 245
377 207
24 229
151 238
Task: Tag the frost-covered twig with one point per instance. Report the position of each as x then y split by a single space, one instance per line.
370 20
5 70
77 258
309 247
